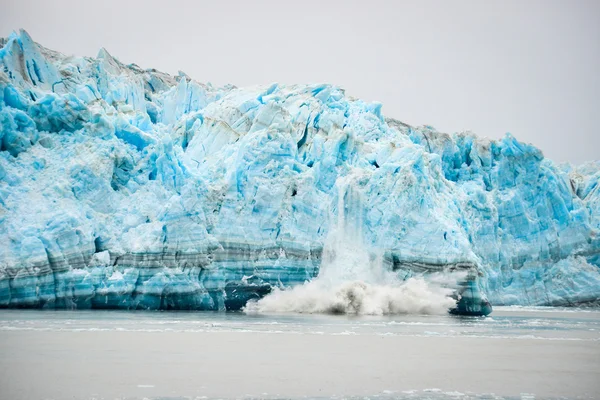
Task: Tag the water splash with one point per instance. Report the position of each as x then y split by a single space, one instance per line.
353 279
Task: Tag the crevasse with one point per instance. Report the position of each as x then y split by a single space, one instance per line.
129 188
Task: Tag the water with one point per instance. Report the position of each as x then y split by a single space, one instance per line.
522 353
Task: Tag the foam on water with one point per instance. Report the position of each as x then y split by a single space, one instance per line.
353 279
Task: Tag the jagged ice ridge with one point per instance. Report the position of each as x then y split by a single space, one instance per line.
129 188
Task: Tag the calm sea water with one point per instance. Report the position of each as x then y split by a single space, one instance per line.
521 353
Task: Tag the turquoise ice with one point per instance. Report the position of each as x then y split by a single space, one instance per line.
129 188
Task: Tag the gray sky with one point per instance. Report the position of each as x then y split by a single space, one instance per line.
531 68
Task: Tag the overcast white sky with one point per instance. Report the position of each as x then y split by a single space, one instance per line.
531 68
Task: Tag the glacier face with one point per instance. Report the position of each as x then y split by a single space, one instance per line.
130 188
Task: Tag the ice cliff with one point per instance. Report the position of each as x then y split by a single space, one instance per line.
130 188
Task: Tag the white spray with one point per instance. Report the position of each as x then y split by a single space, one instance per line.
353 280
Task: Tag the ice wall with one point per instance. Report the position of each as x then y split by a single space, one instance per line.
130 188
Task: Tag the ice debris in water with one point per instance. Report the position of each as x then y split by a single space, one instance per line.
414 296
123 187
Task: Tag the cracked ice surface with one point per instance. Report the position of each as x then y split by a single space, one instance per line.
129 188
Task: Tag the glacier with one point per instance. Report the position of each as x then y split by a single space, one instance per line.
123 187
